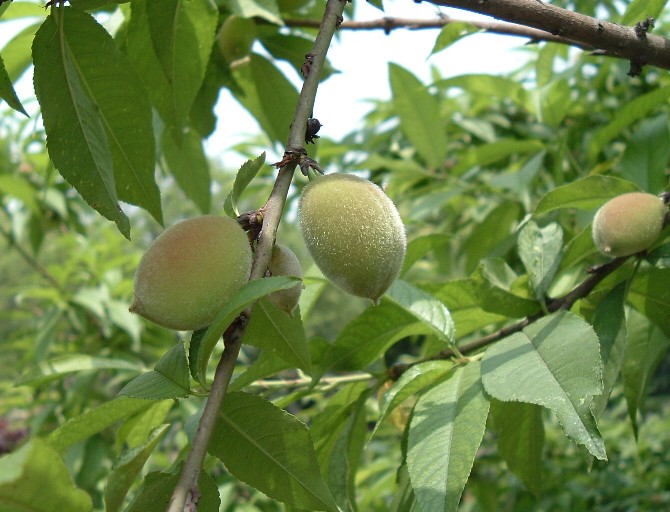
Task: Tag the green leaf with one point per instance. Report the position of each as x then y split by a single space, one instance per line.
540 250
93 421
380 326
246 296
463 299
609 323
7 91
637 109
273 330
267 95
555 363
584 194
34 478
446 430
411 382
493 234
247 172
115 89
639 10
419 113
520 440
190 167
65 77
645 348
451 33
487 86
135 430
291 48
266 365
341 455
169 378
252 8
182 35
59 367
419 247
21 10
270 450
424 307
127 468
495 279
17 52
157 489
487 154
646 154
650 294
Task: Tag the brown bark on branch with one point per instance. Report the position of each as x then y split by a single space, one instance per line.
630 43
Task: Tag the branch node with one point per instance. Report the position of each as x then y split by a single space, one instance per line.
642 27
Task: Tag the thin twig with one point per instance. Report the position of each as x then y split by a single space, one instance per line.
388 24
186 490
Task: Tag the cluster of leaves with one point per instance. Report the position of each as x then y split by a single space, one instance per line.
496 177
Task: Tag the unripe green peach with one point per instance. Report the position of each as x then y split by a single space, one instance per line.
235 37
284 262
191 271
354 233
628 224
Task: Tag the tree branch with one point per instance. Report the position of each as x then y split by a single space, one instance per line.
605 38
185 495
388 24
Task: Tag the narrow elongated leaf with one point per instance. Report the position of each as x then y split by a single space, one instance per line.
270 450
554 362
419 247
424 307
135 430
540 250
244 176
609 323
339 456
247 295
446 430
520 440
639 10
169 379
17 52
463 298
646 154
266 365
157 489
59 367
182 35
419 113
584 194
126 470
627 115
123 106
94 420
495 279
7 91
487 86
66 62
34 478
410 383
273 330
267 95
650 294
380 326
645 348
260 8
190 167
451 33
492 152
